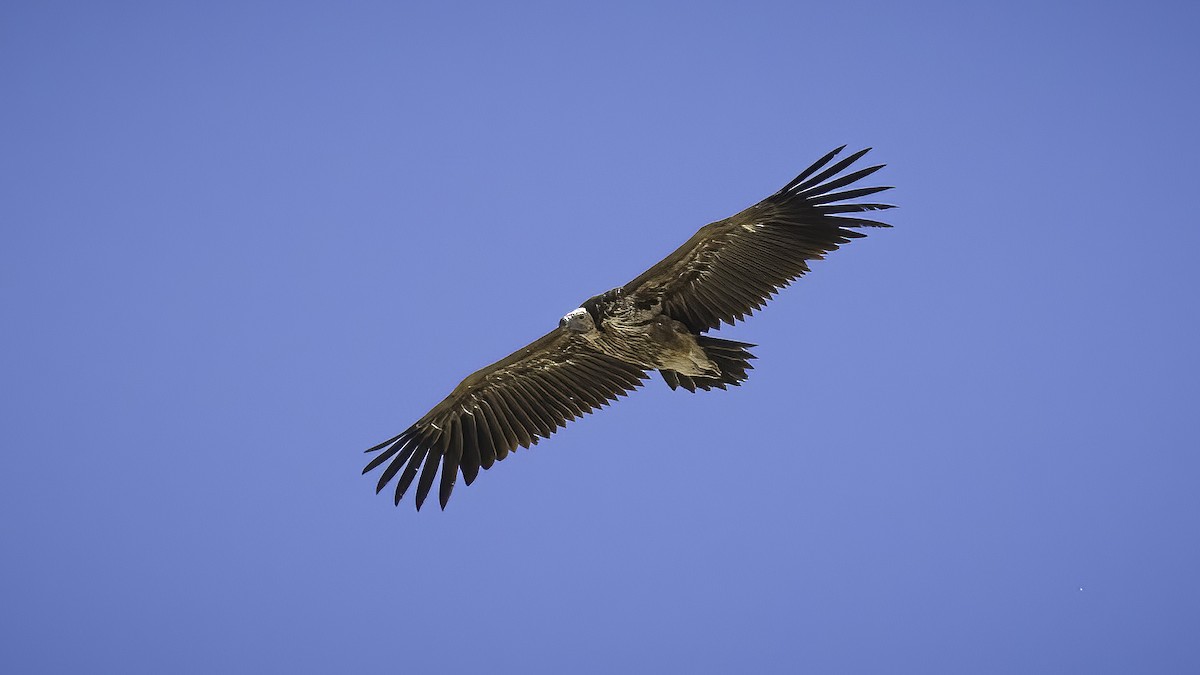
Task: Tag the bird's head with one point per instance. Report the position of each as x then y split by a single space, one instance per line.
578 321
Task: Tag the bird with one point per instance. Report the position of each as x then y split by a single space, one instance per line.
610 344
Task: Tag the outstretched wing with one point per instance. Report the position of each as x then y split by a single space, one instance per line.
733 266
512 402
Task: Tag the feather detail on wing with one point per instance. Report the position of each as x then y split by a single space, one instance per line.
513 402
732 267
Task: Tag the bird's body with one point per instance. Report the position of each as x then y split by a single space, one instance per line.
658 321
641 335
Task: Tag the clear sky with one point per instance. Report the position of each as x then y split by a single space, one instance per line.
245 241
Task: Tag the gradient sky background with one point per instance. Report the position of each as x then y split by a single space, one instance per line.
245 241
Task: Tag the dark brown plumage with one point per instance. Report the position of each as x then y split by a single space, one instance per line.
605 348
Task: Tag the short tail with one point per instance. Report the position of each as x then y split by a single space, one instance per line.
731 357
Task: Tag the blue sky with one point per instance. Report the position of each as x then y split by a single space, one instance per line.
245 241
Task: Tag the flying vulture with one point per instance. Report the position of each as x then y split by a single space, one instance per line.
658 321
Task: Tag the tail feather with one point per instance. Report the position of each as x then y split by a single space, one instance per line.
730 356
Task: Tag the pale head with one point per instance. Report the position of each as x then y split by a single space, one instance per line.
578 321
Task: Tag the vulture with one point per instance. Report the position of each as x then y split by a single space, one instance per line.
658 321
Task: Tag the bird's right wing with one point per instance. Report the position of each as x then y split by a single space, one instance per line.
731 267
512 402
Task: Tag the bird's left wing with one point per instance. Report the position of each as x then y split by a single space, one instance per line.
731 267
512 402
